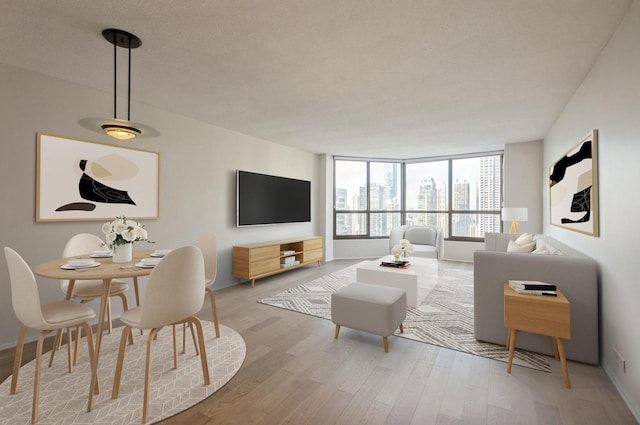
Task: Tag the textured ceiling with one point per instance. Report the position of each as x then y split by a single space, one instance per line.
378 78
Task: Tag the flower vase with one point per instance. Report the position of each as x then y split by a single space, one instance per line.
123 253
404 255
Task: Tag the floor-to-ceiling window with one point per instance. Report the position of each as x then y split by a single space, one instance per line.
461 194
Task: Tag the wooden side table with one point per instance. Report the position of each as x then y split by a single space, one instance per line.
539 314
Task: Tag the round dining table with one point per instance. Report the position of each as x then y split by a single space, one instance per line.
106 271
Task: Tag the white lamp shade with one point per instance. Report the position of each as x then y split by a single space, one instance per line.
514 214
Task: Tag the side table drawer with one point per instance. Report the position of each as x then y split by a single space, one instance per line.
538 314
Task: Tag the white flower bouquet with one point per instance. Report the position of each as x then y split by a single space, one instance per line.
123 231
402 249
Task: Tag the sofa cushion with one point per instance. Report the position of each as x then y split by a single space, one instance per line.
424 251
514 247
524 239
421 235
542 250
552 250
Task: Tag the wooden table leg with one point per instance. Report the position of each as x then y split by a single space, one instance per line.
512 347
555 348
106 289
563 361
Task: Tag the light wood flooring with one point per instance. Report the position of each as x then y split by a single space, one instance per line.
296 373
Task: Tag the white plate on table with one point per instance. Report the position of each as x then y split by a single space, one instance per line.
76 267
145 266
159 253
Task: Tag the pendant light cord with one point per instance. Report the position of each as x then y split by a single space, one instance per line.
115 81
129 83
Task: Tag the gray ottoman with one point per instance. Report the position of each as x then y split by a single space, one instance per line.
370 308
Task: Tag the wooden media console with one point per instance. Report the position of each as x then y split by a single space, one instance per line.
265 259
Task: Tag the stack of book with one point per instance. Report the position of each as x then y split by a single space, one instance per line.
395 264
288 262
287 252
533 287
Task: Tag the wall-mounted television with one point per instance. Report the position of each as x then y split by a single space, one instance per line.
264 199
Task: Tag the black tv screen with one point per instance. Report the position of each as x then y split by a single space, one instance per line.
265 199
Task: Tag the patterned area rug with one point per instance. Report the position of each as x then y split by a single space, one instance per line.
444 318
63 395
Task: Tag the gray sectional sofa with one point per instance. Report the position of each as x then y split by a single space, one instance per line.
573 273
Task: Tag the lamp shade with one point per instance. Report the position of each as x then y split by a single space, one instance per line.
514 214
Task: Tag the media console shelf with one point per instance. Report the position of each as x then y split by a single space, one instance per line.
264 259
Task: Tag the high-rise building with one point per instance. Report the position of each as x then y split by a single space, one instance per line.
461 223
489 194
343 221
432 196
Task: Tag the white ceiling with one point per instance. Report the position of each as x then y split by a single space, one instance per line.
377 78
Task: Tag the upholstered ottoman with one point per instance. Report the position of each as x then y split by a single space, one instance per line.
370 308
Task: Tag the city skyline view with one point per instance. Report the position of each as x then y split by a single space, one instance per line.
437 193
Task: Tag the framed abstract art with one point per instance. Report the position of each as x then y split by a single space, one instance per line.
79 180
573 187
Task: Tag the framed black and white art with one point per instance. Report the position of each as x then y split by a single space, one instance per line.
573 187
81 180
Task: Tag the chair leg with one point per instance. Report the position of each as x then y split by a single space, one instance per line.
57 343
69 343
125 307
147 376
184 338
137 294
193 337
17 359
401 328
109 325
203 350
94 372
76 346
175 347
36 378
214 310
126 330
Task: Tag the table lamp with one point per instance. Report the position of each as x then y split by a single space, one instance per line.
514 215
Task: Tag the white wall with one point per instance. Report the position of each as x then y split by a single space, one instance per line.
523 183
609 100
197 191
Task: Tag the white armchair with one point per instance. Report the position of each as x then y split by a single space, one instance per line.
427 241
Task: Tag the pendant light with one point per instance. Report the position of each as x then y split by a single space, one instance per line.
121 129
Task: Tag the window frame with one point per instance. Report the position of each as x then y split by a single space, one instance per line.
368 211
450 212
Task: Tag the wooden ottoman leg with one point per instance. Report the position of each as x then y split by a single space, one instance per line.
337 331
401 328
385 343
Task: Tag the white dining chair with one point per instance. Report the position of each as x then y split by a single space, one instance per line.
173 295
87 290
45 318
208 245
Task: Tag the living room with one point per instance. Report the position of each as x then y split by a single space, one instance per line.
199 161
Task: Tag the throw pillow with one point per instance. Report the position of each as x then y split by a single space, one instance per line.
541 250
524 239
514 247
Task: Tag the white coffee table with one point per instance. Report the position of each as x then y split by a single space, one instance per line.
417 279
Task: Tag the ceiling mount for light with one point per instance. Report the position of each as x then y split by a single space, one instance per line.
122 130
